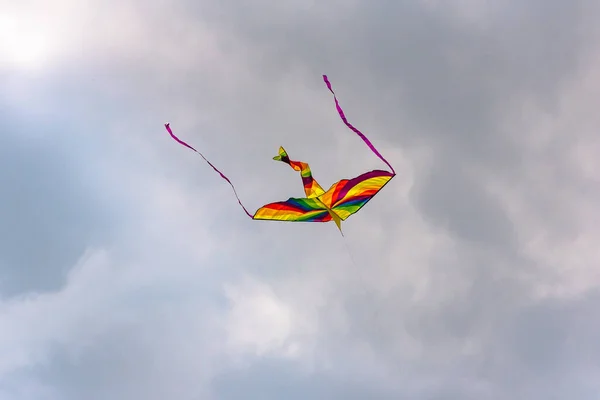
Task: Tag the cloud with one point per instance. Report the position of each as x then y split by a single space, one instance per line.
127 270
49 213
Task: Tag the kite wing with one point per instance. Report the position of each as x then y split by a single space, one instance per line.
294 210
348 196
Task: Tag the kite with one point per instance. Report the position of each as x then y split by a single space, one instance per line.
339 202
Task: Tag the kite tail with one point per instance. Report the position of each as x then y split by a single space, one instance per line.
209 163
349 125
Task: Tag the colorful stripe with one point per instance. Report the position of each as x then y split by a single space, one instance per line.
294 210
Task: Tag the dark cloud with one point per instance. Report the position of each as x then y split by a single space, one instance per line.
272 378
454 199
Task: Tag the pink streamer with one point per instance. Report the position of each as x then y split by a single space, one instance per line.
209 163
359 133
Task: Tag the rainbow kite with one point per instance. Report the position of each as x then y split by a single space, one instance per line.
343 198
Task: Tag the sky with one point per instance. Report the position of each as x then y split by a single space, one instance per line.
128 271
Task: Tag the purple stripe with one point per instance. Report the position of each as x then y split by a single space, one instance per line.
359 133
355 181
354 201
323 217
307 180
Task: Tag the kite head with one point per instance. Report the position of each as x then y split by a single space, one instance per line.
282 156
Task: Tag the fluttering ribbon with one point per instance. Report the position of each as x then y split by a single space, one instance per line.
349 125
209 163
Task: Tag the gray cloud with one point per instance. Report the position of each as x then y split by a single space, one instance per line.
50 213
269 379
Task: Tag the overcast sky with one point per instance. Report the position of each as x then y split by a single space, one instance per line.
128 271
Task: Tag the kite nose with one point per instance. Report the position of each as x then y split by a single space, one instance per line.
282 156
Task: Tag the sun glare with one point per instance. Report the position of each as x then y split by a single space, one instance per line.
22 44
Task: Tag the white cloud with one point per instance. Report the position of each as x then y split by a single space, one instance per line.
259 321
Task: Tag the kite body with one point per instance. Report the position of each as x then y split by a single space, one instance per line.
343 198
339 202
